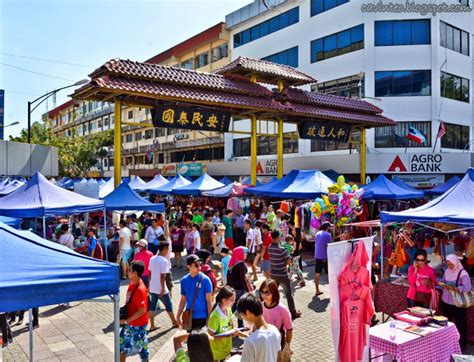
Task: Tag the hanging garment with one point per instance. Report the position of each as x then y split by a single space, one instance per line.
285 206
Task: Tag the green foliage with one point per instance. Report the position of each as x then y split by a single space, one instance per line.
77 154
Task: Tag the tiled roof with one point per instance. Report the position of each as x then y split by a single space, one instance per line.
179 92
266 72
172 75
326 100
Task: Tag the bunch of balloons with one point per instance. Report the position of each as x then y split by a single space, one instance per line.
340 204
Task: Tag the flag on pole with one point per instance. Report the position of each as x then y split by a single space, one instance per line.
441 130
416 136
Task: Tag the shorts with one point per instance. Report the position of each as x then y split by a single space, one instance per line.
250 257
134 340
266 265
229 242
320 265
165 299
169 282
125 255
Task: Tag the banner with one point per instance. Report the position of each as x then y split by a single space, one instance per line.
201 119
325 131
338 256
190 169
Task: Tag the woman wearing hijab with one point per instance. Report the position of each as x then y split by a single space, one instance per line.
237 275
455 278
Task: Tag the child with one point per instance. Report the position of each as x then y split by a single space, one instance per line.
225 264
220 321
294 267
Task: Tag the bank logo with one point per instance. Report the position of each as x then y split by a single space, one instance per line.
397 165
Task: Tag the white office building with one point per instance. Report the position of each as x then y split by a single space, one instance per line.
418 68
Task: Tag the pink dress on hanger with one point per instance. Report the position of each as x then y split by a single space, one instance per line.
356 306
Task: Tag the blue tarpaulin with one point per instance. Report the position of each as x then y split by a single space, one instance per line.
399 182
11 221
124 198
39 197
136 183
157 181
441 189
455 206
384 189
203 183
176 182
248 182
35 272
298 184
225 180
333 175
10 186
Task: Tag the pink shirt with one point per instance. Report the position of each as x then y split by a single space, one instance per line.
144 256
279 316
420 281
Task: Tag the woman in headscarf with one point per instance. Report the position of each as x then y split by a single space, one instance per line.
455 279
237 275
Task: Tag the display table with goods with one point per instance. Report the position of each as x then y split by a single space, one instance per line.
390 297
408 342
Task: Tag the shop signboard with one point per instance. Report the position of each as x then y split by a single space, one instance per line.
418 163
168 169
190 169
325 131
202 119
267 167
422 181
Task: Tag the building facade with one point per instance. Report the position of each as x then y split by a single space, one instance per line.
417 68
147 150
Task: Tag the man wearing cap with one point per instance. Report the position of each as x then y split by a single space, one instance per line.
323 238
142 253
202 305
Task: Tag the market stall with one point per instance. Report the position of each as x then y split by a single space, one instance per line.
384 189
156 182
232 190
399 182
202 184
441 189
175 182
225 180
137 183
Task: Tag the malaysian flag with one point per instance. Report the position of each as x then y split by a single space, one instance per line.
441 130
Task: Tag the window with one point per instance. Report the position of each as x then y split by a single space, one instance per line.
128 137
161 158
99 124
138 136
454 38
454 87
106 121
201 60
320 6
148 134
456 136
337 44
319 145
220 52
272 25
396 136
159 132
188 64
403 83
402 32
285 57
351 87
130 114
214 153
266 145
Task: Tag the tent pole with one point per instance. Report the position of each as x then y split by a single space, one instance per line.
382 241
30 331
44 227
116 299
106 241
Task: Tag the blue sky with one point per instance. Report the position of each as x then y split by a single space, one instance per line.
87 33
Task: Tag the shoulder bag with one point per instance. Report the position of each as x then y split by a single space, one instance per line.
462 299
187 316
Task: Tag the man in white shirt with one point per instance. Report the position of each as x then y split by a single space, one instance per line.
250 244
66 237
196 238
152 233
125 248
264 343
158 268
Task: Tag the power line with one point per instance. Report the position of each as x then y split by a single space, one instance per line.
32 71
46 60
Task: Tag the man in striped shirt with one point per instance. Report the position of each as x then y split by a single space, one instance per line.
279 260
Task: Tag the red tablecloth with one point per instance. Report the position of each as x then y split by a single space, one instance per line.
391 298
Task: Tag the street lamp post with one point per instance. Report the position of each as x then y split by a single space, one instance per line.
9 125
43 98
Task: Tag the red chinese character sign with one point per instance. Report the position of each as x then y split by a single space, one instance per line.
202 119
325 131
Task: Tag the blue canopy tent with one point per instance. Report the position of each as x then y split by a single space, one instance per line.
63 181
124 198
454 206
274 178
101 181
225 180
157 181
298 184
203 183
11 221
441 189
234 189
136 183
384 189
175 182
247 181
333 175
399 182
10 186
35 272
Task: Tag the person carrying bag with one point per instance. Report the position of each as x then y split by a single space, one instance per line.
187 316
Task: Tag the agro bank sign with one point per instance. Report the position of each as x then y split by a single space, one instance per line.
267 167
418 163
